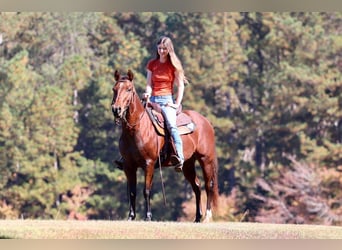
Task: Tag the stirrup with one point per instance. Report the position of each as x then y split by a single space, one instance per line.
177 163
119 163
179 168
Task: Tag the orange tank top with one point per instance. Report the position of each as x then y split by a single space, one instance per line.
163 75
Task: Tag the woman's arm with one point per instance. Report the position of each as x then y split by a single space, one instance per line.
148 90
180 91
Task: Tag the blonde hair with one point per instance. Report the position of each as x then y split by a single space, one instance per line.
166 41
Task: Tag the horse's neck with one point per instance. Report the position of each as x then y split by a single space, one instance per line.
139 132
135 112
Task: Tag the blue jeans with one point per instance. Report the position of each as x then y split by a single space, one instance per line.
170 118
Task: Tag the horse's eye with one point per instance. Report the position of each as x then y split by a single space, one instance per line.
129 90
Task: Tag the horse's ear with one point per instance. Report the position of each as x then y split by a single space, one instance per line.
116 75
130 75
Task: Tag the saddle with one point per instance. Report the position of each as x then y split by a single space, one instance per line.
185 124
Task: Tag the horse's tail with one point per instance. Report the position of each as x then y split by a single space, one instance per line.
215 185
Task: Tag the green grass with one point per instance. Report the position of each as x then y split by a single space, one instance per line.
58 229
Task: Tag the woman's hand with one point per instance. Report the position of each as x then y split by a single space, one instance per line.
173 105
146 96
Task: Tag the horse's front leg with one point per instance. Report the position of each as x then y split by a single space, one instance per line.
132 189
149 171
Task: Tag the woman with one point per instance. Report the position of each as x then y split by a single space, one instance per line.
163 72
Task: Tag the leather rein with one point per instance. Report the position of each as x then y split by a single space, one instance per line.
124 119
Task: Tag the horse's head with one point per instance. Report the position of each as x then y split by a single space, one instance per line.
123 92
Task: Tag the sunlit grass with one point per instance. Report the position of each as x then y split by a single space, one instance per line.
58 229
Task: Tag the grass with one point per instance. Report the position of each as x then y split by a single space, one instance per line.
59 229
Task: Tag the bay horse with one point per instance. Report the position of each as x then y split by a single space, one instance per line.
140 147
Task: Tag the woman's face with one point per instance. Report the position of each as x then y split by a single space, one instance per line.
162 50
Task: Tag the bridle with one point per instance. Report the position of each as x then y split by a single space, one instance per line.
123 118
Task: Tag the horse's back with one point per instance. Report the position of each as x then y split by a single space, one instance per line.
202 123
204 133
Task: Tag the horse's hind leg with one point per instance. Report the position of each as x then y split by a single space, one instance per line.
208 168
190 174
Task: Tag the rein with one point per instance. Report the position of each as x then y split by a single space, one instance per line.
159 161
131 126
124 116
134 124
161 173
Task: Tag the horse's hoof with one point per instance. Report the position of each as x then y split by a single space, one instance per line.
148 217
131 218
197 220
208 216
206 220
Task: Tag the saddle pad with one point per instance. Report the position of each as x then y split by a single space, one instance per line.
185 124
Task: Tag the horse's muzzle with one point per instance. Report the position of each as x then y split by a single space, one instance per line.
116 111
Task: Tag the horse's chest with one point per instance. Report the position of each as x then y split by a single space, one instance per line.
136 144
